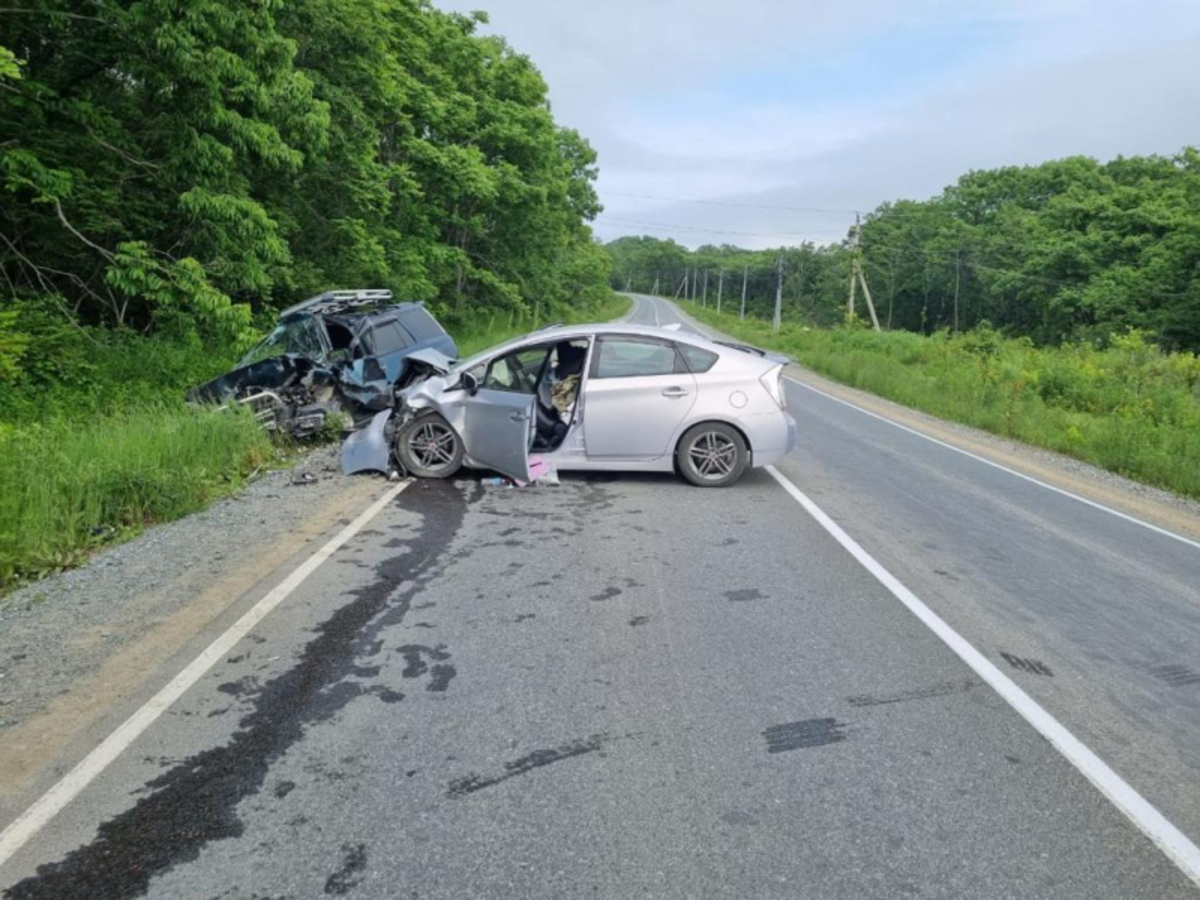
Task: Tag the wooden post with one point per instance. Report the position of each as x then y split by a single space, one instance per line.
745 272
778 294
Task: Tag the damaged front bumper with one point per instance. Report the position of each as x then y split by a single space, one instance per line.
370 448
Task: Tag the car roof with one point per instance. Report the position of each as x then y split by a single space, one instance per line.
363 303
566 332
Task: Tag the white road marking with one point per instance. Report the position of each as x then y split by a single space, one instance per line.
1174 843
17 834
1002 468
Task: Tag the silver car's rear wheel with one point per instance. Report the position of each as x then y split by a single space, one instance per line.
429 448
712 454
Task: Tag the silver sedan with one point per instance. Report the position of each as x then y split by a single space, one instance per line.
591 398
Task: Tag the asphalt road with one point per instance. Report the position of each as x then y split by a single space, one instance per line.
624 686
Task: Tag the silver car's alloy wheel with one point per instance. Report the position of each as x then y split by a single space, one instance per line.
432 444
712 454
430 448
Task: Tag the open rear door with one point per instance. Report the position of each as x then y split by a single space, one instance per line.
498 429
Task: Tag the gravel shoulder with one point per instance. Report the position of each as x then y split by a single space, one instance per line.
75 645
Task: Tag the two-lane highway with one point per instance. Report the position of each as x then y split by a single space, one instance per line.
626 686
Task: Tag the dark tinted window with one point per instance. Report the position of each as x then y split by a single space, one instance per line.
628 358
420 324
388 337
698 359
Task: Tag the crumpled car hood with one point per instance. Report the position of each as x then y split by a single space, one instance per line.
434 359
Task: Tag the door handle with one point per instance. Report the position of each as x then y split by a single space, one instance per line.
675 392
518 417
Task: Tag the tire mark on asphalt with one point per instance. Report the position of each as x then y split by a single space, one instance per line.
936 690
537 759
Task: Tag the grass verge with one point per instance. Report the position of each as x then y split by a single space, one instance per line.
1128 408
67 487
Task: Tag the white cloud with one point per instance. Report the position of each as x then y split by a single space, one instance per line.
815 103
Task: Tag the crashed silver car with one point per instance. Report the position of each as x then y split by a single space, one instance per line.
590 398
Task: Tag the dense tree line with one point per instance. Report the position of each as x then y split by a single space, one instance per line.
1068 250
178 165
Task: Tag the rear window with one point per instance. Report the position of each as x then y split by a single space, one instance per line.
698 359
420 324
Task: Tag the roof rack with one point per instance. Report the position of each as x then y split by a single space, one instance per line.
337 300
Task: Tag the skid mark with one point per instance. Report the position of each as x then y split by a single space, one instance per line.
804 734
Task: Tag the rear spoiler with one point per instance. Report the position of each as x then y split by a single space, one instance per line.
757 351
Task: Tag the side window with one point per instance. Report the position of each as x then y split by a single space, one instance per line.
387 337
698 359
630 358
420 324
517 371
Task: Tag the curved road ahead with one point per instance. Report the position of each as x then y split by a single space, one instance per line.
626 687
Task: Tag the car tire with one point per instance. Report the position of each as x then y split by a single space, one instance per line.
429 447
712 454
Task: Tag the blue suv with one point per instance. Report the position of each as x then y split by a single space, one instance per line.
338 351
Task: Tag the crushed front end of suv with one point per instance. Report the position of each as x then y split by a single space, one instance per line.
341 351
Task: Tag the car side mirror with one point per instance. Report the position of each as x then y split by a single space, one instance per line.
470 384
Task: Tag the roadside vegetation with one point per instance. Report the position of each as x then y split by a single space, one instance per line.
173 175
1127 407
1072 250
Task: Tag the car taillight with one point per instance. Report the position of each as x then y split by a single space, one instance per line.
773 382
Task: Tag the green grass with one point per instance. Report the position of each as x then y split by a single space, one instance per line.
68 486
1128 407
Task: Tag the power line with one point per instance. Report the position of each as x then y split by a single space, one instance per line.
815 209
619 222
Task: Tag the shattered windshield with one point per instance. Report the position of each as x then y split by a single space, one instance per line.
298 336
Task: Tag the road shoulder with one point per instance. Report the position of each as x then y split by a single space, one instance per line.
77 648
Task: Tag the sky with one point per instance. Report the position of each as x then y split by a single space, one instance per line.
761 123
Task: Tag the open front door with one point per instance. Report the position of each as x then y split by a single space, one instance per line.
499 424
498 429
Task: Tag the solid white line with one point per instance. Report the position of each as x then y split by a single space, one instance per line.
1136 808
1002 468
52 802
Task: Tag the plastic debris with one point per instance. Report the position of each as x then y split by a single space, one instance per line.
304 478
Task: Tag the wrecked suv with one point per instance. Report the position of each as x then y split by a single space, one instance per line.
341 351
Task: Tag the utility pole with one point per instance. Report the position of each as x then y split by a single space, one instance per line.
745 272
628 282
957 279
857 277
704 299
720 287
778 293
655 290
683 285
694 280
